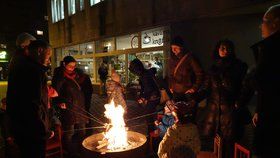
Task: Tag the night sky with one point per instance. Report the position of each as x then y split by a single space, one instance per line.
21 16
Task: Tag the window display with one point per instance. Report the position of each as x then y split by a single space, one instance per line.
106 45
86 64
149 60
127 42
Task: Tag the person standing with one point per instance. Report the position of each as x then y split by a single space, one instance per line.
74 115
27 99
267 75
185 73
103 74
222 88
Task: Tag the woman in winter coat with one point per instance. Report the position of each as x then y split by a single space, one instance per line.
74 116
222 88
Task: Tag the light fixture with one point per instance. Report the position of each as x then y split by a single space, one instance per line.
39 32
86 67
89 46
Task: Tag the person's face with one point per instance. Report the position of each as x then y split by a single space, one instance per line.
268 25
176 49
223 51
70 66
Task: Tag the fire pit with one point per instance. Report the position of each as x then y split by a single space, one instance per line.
116 140
135 140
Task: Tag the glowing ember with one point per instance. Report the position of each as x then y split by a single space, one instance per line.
116 135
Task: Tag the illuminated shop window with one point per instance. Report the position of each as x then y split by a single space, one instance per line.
150 60
87 48
86 65
127 42
106 45
71 50
57 9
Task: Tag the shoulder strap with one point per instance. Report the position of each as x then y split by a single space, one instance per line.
180 62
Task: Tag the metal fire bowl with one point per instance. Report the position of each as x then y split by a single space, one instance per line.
136 138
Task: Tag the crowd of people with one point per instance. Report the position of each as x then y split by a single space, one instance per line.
226 86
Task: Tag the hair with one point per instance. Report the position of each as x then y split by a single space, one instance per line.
226 42
184 112
24 37
33 50
181 151
178 41
68 59
274 11
136 67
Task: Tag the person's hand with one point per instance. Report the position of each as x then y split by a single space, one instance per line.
171 90
190 91
156 122
255 119
62 106
140 101
10 140
51 135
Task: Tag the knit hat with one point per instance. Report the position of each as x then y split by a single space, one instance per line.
183 110
178 41
24 39
68 59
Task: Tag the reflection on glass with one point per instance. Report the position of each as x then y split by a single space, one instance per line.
113 63
86 64
127 42
86 48
149 60
106 45
72 50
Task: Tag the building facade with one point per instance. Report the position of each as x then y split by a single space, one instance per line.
117 31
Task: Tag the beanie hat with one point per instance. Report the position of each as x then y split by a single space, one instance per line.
24 39
68 59
178 41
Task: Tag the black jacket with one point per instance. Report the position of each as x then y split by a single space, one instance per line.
27 97
267 78
149 87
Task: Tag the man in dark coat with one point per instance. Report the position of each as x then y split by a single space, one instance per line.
27 99
149 93
267 76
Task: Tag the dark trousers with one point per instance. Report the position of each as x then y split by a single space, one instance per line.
149 109
31 147
73 144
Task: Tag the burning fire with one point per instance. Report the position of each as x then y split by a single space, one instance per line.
115 136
